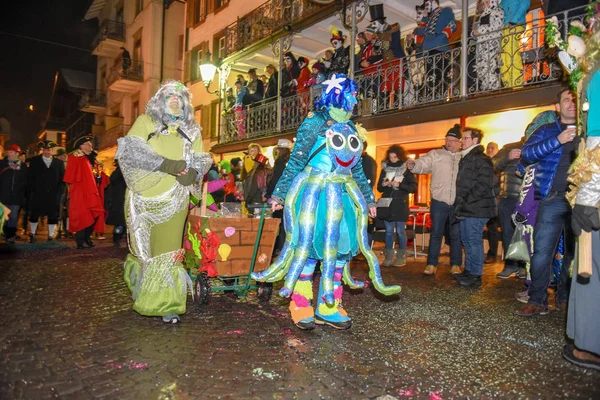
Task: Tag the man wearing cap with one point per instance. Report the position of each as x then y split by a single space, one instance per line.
45 184
13 179
85 206
442 164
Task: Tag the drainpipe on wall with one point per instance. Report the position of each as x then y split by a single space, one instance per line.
464 48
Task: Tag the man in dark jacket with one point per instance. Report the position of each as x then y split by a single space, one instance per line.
271 89
45 185
115 204
552 147
505 162
475 203
13 179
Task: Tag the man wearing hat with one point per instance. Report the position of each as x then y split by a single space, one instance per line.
340 61
45 185
388 34
13 179
85 206
442 164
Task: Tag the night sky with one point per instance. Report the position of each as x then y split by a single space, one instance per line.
28 67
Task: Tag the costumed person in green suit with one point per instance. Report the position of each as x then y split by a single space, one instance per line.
163 164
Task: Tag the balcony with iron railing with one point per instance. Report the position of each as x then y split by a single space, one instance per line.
109 137
110 39
93 101
494 76
264 21
127 77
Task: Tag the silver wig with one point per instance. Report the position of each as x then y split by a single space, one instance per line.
156 106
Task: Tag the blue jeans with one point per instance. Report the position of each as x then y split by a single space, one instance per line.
553 215
471 235
506 208
389 234
440 214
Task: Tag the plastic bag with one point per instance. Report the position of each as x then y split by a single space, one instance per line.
517 250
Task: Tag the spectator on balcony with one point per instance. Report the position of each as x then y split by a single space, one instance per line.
361 41
45 183
241 78
271 89
340 62
317 77
511 66
290 73
241 92
327 57
229 99
551 7
433 37
488 35
389 34
85 206
256 89
442 164
303 76
125 60
475 203
371 57
13 180
264 79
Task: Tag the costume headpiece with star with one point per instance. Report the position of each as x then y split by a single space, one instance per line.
339 91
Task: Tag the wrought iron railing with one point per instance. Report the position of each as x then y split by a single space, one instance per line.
109 137
93 98
110 30
265 20
504 60
132 71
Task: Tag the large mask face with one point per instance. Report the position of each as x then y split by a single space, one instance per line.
344 147
173 104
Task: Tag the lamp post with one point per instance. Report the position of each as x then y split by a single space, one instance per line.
207 72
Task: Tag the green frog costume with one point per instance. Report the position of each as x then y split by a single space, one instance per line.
163 164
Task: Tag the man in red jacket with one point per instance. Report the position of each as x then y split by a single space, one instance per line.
85 205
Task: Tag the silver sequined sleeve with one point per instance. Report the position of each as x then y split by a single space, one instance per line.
139 163
589 193
201 162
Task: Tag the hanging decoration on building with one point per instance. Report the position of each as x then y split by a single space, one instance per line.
287 44
362 8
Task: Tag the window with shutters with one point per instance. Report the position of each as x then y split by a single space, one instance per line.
198 11
197 57
214 119
139 6
218 52
218 5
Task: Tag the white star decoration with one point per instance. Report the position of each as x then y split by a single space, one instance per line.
333 83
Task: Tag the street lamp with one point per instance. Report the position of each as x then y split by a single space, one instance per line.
207 72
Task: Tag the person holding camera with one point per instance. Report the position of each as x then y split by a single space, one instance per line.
395 182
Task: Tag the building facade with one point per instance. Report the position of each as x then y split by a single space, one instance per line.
139 44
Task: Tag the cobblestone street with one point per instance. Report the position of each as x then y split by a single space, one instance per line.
68 332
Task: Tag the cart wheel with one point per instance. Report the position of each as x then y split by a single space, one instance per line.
201 290
265 290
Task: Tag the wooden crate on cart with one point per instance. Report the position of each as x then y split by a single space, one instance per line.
241 239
